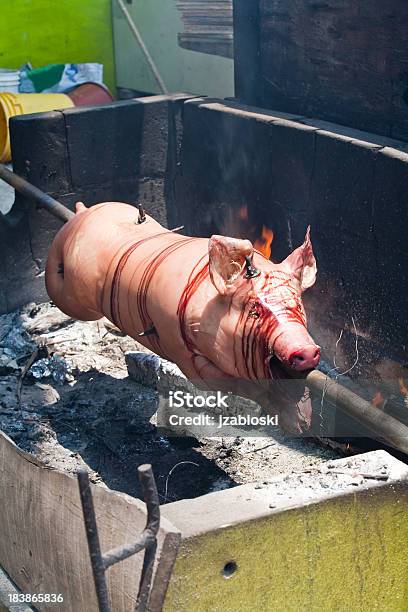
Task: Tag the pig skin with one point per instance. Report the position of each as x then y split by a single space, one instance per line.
194 296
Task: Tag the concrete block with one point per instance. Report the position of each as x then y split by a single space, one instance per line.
341 219
343 184
334 539
104 142
371 139
151 196
390 208
246 158
126 151
390 231
40 152
390 302
19 273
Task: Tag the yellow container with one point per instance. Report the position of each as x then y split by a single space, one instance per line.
23 104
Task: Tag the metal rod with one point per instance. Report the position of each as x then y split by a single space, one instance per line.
143 47
147 540
149 533
151 498
146 578
94 546
33 193
384 427
120 553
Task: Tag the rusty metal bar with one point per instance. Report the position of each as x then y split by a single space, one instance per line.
151 497
33 193
147 541
384 427
94 546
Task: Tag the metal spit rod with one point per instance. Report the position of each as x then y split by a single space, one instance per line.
33 193
147 540
382 425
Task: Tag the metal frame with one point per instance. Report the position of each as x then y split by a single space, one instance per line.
147 541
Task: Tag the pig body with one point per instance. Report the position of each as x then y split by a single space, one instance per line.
215 307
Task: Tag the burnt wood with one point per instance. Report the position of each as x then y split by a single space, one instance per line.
246 51
340 60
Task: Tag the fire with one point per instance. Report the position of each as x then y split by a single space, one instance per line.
377 400
263 244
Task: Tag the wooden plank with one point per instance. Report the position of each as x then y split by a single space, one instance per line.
8 591
246 51
43 545
339 60
207 26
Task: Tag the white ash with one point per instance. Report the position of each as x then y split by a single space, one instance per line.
104 420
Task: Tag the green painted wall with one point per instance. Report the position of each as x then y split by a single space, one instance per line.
56 31
159 22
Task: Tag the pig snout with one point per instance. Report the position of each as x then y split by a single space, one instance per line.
305 358
299 354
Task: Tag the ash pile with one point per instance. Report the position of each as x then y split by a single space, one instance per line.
66 397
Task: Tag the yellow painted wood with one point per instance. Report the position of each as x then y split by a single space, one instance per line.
347 554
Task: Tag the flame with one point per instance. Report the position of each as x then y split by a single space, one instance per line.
377 400
263 244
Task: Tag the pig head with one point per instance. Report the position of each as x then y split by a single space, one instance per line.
217 308
261 324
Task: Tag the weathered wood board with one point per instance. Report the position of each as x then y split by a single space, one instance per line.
43 545
339 60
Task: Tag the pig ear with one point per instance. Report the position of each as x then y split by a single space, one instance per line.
227 261
302 263
80 207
